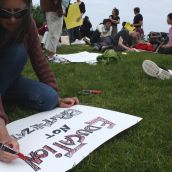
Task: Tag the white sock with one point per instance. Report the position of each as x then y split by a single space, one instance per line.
170 71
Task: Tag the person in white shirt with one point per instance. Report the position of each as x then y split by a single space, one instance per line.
103 30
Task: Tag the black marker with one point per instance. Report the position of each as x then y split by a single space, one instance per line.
12 151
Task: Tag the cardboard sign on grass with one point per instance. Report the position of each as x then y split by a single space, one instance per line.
57 140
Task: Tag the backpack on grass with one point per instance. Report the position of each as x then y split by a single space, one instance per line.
109 56
158 37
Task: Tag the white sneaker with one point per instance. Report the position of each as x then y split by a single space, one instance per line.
154 70
78 42
87 40
82 42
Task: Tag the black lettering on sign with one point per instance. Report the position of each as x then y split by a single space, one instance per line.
64 128
25 132
49 136
56 131
69 113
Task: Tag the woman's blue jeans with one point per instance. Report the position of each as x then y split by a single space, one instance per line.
15 87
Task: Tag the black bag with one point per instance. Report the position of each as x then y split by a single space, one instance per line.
158 37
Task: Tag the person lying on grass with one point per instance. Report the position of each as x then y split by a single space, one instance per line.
18 41
122 41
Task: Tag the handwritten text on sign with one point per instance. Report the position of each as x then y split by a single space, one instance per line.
59 139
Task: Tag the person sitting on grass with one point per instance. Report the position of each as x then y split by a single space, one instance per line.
167 48
19 40
153 70
102 31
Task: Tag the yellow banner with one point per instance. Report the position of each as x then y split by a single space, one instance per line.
73 18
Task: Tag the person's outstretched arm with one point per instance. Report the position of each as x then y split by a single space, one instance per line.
120 43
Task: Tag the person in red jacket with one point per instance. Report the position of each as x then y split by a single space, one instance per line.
18 41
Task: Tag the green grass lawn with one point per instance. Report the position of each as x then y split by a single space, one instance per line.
146 147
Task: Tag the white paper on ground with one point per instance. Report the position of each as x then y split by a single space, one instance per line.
59 139
79 57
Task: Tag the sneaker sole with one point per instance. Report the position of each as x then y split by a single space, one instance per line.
151 69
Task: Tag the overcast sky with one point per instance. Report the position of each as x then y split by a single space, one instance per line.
154 12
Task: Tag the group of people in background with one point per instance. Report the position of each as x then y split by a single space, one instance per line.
54 12
105 35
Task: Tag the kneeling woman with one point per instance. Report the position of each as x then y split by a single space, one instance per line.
18 41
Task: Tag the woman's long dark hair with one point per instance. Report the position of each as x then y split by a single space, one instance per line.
20 34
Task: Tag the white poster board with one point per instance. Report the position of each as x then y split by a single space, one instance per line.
78 57
57 140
